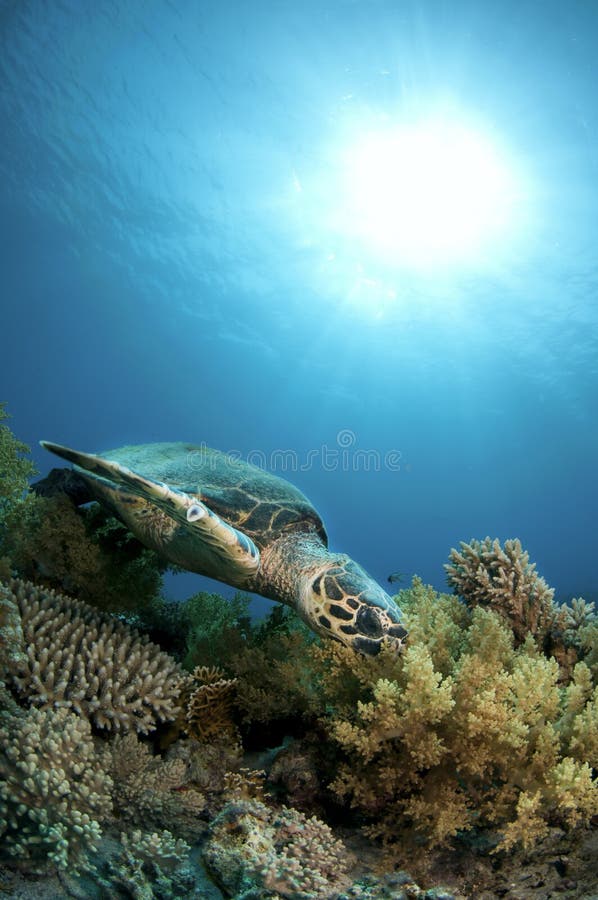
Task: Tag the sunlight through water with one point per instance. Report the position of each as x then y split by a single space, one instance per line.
428 194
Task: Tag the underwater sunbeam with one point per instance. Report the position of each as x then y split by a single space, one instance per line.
432 193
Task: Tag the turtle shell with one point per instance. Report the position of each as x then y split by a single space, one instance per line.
261 505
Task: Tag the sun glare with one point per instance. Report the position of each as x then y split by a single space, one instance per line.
430 194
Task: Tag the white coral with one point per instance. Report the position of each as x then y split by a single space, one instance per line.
81 659
484 573
54 793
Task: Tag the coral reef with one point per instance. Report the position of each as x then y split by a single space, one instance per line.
503 579
15 472
53 791
254 846
295 774
482 735
208 765
207 704
84 552
12 643
87 661
275 680
575 636
467 731
149 865
15 469
153 792
216 628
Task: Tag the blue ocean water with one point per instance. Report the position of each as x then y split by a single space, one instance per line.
179 261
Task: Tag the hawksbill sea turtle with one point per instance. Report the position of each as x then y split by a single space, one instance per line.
227 519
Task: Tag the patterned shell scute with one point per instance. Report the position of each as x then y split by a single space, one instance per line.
259 504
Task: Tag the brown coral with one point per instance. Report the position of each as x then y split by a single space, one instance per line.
54 793
276 850
87 661
502 578
207 702
208 765
151 791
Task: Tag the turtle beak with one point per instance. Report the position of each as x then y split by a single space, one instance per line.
393 638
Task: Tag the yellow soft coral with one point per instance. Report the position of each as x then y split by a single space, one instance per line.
462 730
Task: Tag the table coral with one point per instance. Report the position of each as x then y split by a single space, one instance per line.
54 793
87 661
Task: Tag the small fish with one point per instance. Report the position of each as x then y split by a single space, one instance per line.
396 577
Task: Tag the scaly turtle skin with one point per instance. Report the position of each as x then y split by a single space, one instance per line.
229 520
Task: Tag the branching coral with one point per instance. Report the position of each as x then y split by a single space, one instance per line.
144 866
502 578
54 793
254 846
207 703
151 791
576 635
493 739
153 865
12 643
87 661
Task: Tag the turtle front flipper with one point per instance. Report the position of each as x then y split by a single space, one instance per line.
235 549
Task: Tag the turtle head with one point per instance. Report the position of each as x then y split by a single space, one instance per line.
343 602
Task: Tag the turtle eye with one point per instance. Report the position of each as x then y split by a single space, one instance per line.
195 512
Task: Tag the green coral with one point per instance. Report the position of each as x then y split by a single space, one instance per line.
15 472
15 468
216 628
269 659
275 678
84 552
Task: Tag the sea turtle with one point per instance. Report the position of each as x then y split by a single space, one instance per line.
218 516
